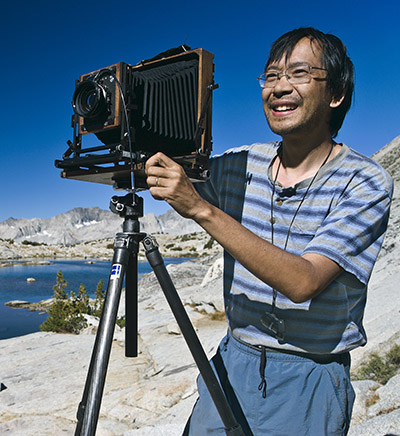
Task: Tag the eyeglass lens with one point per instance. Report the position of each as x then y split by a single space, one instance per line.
297 74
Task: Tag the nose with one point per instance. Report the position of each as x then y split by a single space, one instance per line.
283 86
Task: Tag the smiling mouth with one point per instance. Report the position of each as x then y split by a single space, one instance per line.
284 108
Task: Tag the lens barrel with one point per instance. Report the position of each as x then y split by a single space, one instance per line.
90 100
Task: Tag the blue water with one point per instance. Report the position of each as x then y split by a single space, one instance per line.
13 286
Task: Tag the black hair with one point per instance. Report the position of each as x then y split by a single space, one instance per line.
340 74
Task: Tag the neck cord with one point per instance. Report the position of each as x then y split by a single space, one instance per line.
272 219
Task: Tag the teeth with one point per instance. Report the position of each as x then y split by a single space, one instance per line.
284 108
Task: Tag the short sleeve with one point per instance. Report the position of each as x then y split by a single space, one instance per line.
225 188
352 233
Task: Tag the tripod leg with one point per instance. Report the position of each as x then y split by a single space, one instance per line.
156 261
131 306
89 407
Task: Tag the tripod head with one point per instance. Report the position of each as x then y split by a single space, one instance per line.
129 207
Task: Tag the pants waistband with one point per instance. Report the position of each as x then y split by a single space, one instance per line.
342 358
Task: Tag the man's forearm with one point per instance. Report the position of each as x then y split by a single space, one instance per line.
298 277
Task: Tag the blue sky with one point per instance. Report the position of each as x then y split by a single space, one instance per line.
46 45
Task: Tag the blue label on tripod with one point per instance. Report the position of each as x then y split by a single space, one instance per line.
115 271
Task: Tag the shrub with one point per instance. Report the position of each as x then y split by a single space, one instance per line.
209 244
380 369
393 356
186 237
120 322
99 301
33 243
66 311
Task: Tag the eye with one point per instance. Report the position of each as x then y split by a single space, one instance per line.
299 71
271 76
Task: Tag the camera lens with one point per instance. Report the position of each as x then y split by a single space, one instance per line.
89 100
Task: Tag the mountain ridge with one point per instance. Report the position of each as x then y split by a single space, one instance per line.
88 224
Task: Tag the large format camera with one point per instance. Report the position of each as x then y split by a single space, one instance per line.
161 104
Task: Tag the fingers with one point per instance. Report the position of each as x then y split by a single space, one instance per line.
160 160
159 170
168 181
163 172
154 171
154 181
160 165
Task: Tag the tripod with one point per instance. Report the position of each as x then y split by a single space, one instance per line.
125 264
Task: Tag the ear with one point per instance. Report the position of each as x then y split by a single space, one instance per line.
336 102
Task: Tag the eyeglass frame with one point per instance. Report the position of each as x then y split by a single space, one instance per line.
280 74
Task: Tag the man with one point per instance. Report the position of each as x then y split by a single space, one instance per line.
301 222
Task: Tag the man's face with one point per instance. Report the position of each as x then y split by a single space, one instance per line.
301 109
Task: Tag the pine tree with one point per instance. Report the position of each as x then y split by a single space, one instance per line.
66 312
99 301
59 309
59 287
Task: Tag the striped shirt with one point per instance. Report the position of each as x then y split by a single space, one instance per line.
343 217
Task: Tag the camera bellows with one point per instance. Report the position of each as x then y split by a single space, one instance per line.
165 98
168 99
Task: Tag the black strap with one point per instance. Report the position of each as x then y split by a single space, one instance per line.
263 362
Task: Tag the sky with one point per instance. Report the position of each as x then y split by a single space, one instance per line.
46 45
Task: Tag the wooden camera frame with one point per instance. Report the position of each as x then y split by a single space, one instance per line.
113 161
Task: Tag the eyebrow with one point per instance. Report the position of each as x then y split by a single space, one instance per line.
294 64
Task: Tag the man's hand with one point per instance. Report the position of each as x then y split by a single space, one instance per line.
167 181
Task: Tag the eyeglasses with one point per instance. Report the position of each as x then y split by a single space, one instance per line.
296 75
